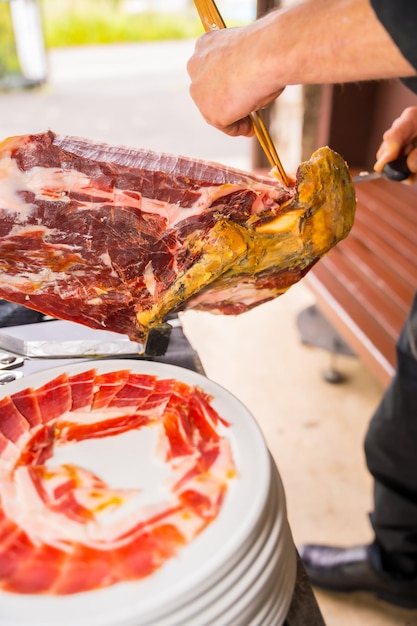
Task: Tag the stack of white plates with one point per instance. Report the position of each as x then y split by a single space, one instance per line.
239 571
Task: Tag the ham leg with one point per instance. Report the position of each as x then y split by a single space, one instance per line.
117 239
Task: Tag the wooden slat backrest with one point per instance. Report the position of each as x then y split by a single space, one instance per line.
366 284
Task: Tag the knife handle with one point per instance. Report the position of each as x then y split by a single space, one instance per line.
397 169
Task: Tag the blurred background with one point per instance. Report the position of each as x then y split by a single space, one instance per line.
81 45
115 71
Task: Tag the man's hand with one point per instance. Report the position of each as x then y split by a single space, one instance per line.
227 79
400 139
236 71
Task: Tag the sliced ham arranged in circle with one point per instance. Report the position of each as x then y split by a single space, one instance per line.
65 529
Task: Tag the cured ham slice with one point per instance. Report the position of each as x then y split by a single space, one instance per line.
12 423
54 398
107 387
82 389
117 239
63 529
27 404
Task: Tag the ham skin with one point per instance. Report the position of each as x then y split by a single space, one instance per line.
116 238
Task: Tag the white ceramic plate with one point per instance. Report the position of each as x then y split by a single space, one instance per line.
200 563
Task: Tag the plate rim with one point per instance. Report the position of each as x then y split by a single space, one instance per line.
220 395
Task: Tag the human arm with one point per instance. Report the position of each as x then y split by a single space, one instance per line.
398 140
239 70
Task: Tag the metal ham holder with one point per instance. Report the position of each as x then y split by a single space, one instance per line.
211 20
28 347
52 338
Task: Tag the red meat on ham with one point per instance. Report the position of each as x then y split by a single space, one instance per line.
117 239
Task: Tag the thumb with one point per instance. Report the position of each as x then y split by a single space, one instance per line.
243 127
412 161
388 151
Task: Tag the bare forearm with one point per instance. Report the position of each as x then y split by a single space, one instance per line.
236 71
330 41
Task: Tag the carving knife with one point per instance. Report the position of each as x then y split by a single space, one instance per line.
394 170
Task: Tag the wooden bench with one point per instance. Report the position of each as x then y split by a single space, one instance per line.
365 285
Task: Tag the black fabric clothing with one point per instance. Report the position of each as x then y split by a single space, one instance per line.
391 440
411 83
399 18
391 454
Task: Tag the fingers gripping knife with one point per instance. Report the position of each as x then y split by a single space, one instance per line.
394 170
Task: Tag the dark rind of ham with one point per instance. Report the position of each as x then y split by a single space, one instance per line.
188 422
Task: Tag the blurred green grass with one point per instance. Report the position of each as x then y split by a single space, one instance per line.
69 23
8 57
89 22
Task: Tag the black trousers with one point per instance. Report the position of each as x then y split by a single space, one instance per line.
391 454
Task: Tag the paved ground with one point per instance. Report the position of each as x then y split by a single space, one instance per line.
134 95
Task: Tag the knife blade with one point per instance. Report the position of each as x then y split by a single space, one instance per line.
394 170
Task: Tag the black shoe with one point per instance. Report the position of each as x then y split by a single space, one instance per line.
350 569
